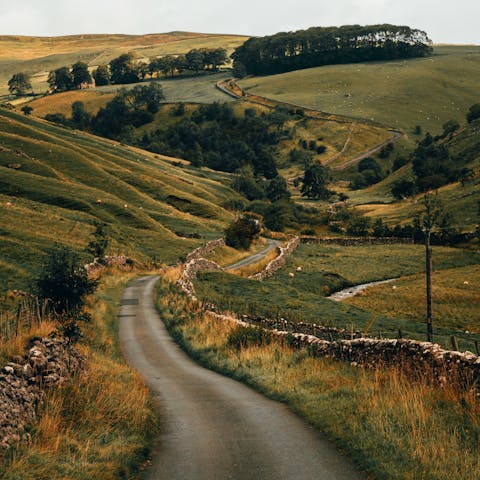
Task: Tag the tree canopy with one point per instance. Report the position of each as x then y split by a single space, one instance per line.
315 182
19 84
318 46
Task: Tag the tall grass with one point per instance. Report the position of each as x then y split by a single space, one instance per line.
102 423
393 428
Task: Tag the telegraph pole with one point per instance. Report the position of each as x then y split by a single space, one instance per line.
433 211
428 270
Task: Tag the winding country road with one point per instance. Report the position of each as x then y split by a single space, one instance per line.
271 244
215 428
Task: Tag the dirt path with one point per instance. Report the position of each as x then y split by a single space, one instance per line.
213 426
271 244
355 290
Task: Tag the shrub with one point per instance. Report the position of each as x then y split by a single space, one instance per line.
473 113
403 188
64 282
241 233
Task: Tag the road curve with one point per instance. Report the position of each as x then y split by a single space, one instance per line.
271 244
214 427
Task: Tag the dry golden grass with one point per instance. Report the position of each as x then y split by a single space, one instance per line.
455 296
16 345
393 427
62 102
101 424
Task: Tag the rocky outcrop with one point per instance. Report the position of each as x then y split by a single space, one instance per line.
47 363
278 262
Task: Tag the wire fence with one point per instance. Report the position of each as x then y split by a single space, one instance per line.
28 312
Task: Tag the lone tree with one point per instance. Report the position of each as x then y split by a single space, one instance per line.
64 282
429 219
241 233
19 84
81 119
315 182
27 110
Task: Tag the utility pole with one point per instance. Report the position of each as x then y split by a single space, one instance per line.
428 270
433 210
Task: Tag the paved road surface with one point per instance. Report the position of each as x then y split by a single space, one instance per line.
215 428
271 244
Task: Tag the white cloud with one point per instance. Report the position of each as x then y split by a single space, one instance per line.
444 21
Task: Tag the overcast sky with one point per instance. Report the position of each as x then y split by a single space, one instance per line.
455 21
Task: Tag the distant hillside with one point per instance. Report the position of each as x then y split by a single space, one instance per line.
402 93
461 200
55 183
38 55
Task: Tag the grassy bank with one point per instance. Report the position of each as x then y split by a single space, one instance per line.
392 428
329 268
100 425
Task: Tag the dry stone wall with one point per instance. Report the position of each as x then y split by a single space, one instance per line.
357 241
278 262
417 359
195 262
47 363
413 356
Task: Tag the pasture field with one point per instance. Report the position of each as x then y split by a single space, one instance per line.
425 91
327 269
38 55
55 183
455 293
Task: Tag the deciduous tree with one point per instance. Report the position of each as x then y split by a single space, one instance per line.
19 84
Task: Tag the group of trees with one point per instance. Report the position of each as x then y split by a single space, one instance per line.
214 136
128 109
64 78
195 61
433 162
126 69
317 46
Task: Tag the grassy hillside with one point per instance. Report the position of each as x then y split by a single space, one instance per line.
55 183
460 200
39 55
195 89
426 91
329 268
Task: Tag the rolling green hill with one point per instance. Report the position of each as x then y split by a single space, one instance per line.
38 55
425 91
55 183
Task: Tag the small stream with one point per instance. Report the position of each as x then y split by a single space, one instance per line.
356 289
